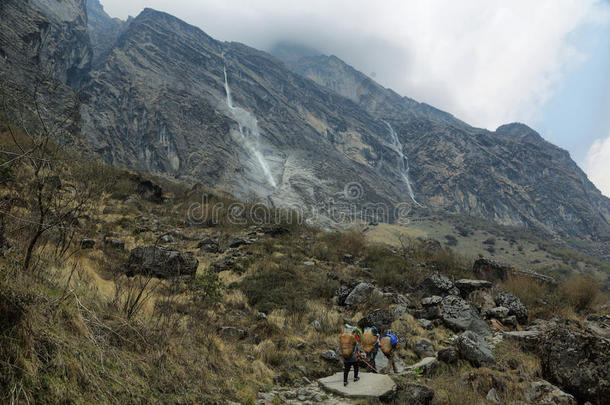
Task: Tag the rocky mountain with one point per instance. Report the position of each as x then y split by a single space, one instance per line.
512 175
103 30
44 35
309 132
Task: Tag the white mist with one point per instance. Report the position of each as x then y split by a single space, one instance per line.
403 161
250 135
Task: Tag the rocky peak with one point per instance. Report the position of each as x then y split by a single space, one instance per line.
45 35
157 100
103 30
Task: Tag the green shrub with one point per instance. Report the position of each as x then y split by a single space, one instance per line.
580 292
286 286
390 269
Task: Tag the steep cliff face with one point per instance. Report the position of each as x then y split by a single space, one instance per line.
47 36
159 102
103 30
313 133
512 176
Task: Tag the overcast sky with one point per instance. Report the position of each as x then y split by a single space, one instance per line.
488 62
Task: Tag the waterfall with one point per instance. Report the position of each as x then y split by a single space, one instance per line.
250 135
403 161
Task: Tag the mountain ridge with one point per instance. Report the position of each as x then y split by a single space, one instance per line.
157 101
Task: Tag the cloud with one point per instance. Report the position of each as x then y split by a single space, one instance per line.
487 62
597 165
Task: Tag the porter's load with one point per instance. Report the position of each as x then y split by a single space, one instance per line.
348 340
388 342
369 340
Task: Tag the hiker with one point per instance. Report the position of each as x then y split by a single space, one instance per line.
350 350
389 343
370 346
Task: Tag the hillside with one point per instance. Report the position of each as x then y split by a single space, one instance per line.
251 312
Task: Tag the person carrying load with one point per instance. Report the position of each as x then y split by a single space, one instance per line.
350 350
370 346
389 343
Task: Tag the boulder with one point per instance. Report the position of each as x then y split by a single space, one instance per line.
514 305
543 392
492 396
466 286
380 318
458 315
432 300
598 325
342 293
237 241
208 245
114 244
424 348
167 239
511 321
395 298
416 394
522 335
429 312
274 231
232 333
497 312
360 293
485 269
482 299
149 191
489 270
330 356
348 259
448 355
87 243
475 349
577 362
426 324
437 284
161 262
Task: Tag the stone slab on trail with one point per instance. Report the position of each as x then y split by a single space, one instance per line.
370 385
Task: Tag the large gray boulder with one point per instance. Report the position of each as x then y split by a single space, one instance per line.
342 293
458 315
466 286
380 318
475 349
416 394
424 348
545 393
437 284
489 270
161 262
514 305
578 362
360 293
448 355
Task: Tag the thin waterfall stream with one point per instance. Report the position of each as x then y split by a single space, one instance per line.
250 134
403 161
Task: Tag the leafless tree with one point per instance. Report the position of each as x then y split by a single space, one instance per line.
39 129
